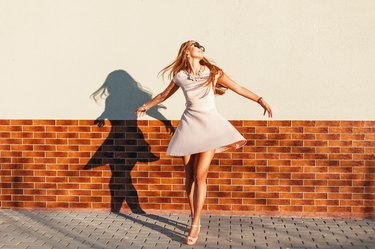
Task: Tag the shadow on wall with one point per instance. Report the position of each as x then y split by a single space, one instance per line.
125 145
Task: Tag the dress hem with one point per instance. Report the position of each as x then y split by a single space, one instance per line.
235 145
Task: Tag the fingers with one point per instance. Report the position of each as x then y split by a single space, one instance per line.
171 131
267 108
269 112
139 113
99 123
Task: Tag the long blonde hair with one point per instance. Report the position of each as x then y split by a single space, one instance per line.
182 63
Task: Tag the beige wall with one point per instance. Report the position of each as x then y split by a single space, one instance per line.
310 59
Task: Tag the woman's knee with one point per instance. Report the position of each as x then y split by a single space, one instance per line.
200 178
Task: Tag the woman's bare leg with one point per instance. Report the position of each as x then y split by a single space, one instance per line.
203 162
189 162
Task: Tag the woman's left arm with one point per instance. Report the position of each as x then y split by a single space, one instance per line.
225 81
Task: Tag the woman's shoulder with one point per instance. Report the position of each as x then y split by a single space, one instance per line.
179 76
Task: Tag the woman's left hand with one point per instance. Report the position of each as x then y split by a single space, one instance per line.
266 107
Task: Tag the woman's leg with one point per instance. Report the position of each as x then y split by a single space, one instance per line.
189 162
203 162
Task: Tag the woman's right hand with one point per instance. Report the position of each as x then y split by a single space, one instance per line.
140 111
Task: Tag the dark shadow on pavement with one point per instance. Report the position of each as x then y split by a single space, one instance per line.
172 234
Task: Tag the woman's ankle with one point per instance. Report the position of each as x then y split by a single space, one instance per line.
198 222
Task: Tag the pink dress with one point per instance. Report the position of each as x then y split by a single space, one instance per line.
201 127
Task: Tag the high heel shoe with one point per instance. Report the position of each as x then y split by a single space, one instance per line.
192 218
199 228
192 240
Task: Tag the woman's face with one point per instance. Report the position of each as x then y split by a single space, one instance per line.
195 50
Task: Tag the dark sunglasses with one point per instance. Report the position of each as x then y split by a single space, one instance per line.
197 45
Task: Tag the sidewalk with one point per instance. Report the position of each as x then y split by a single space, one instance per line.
66 229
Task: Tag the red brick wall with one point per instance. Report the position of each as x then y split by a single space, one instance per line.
304 168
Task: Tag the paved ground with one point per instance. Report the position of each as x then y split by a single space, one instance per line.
46 229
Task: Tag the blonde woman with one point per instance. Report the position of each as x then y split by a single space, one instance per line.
202 131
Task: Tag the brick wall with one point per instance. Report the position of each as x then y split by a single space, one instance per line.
303 168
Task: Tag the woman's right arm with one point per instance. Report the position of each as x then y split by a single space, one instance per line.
169 91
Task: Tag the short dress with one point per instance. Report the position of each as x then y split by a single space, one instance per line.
201 127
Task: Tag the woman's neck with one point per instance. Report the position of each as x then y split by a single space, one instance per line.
195 66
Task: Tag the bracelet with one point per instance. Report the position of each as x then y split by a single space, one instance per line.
259 99
145 107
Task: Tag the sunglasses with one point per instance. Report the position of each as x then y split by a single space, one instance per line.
197 45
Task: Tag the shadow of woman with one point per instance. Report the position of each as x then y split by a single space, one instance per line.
125 145
159 224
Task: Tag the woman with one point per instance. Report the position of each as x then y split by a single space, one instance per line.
202 131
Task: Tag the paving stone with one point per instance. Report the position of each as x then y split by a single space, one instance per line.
43 229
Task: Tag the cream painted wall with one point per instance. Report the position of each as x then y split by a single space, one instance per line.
310 59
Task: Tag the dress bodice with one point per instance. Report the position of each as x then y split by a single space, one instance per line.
197 91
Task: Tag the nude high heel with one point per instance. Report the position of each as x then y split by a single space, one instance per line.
199 229
192 240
